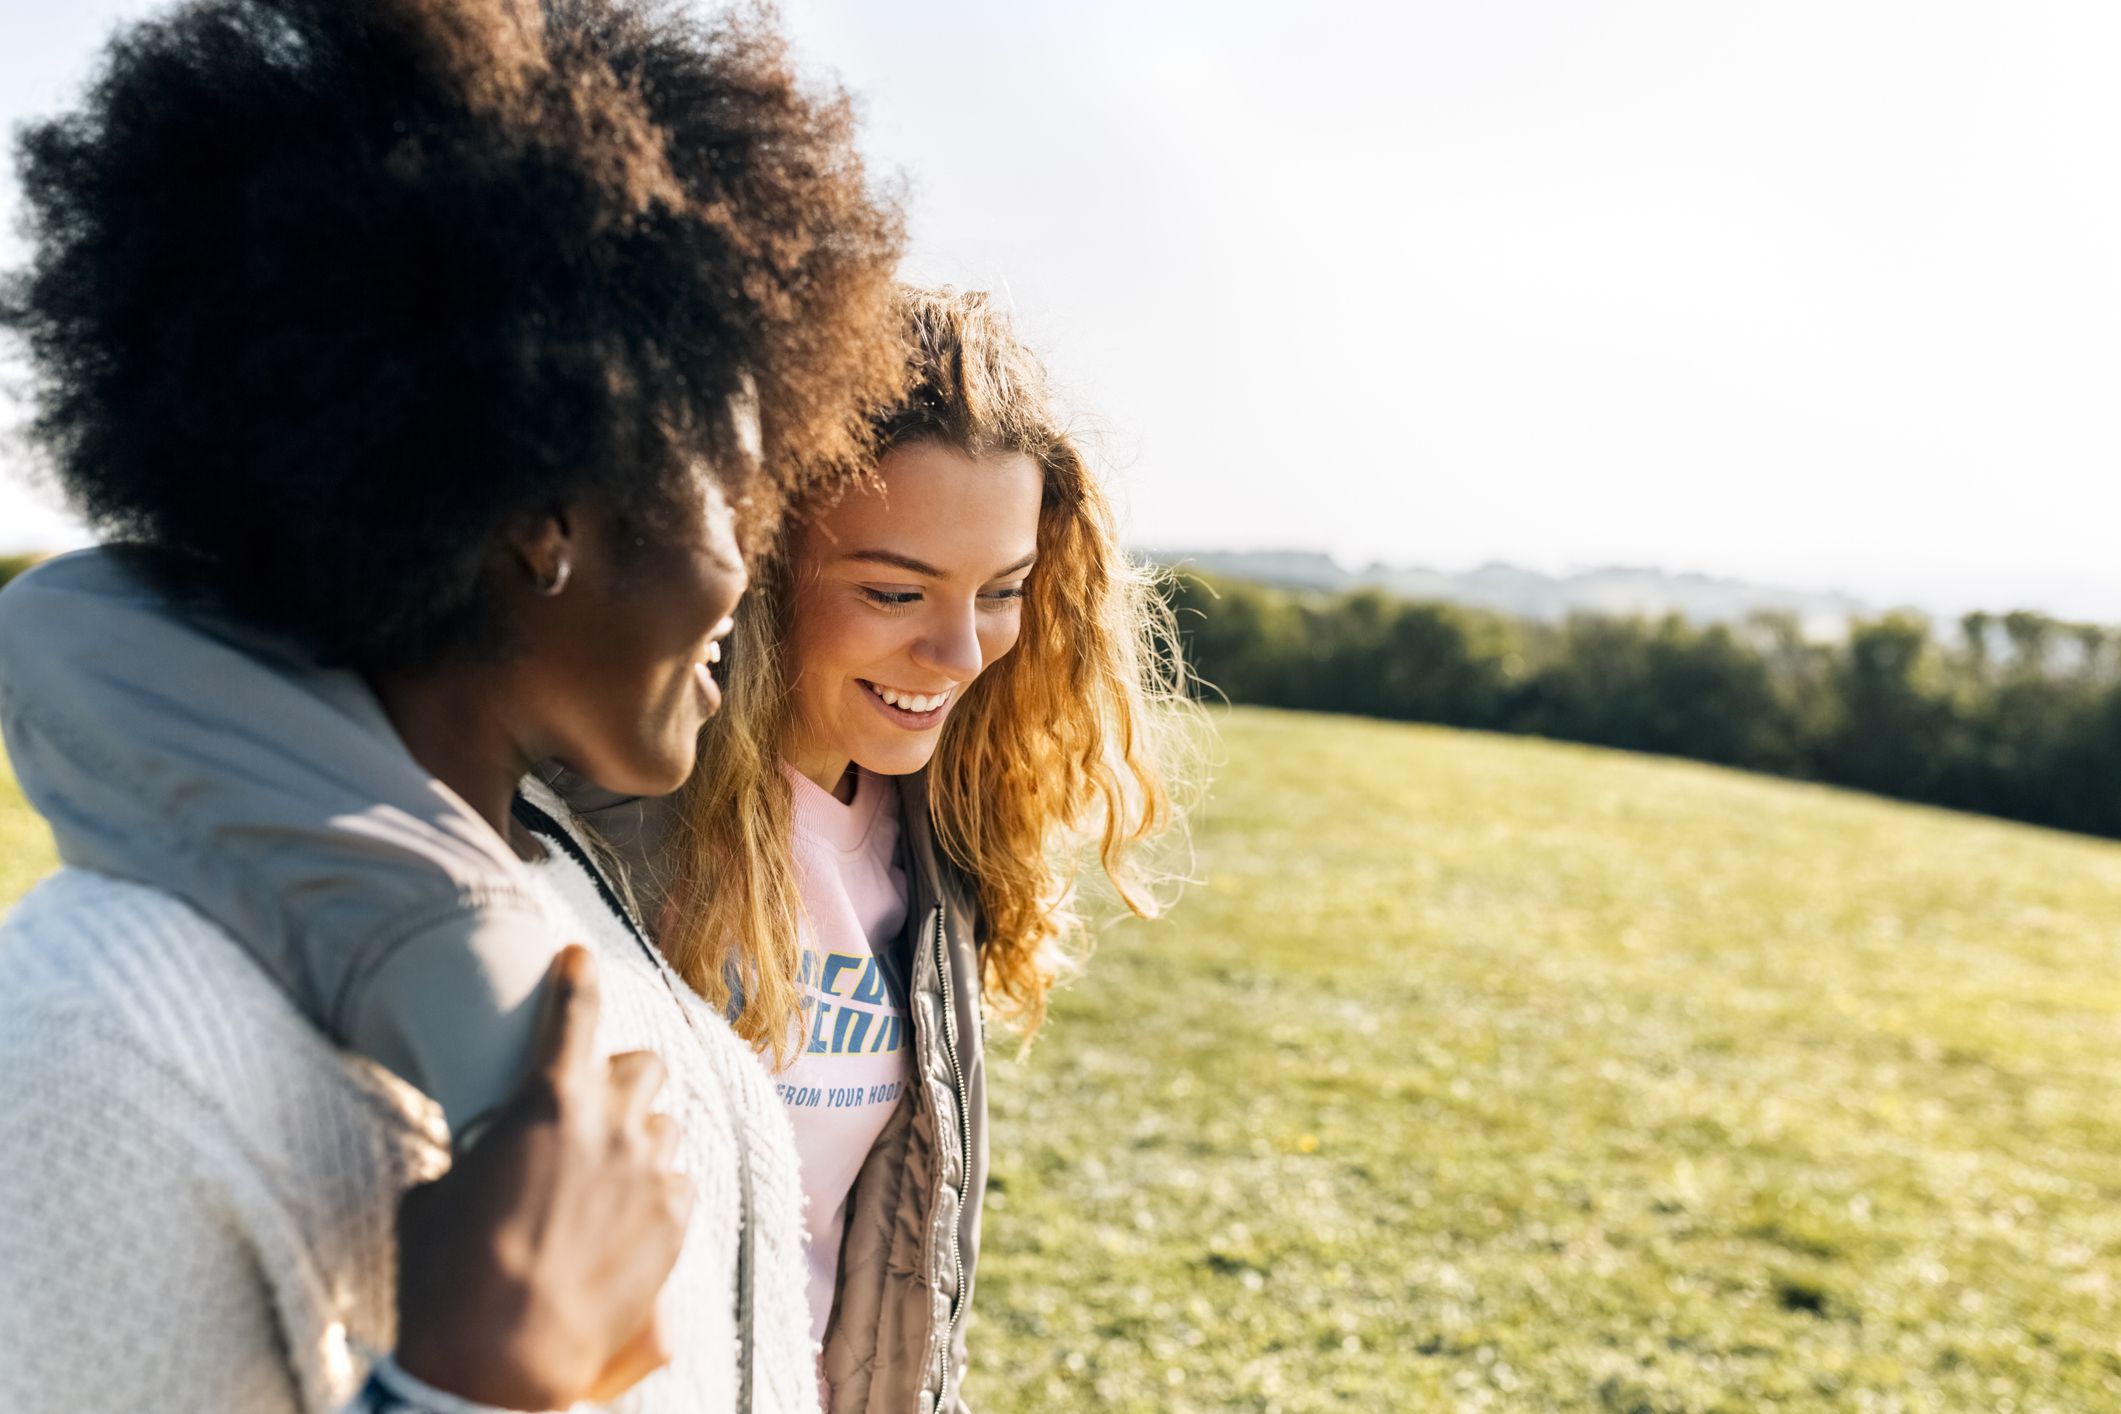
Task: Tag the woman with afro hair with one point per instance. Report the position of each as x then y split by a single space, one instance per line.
429 365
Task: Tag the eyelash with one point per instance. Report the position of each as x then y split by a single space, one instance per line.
888 599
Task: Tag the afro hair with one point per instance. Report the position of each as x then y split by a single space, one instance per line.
323 295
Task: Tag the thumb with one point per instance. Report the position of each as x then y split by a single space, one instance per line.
565 1042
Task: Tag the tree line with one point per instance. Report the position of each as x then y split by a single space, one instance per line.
2015 714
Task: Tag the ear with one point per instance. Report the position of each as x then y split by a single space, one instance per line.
543 548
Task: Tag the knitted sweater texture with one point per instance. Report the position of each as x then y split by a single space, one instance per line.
198 1193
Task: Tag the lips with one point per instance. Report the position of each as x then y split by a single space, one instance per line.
710 691
703 670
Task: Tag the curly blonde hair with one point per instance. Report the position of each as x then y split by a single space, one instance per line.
1071 742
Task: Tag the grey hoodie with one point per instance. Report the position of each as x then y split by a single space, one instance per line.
175 749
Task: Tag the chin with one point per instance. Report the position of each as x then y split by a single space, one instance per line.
902 761
676 771
659 773
665 783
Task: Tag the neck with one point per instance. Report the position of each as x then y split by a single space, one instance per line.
827 770
450 721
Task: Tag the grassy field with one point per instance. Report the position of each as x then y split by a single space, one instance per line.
1488 1073
25 845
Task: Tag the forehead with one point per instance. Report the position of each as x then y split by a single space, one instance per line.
963 514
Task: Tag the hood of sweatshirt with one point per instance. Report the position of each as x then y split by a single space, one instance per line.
167 746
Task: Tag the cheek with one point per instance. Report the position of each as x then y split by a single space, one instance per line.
998 634
838 640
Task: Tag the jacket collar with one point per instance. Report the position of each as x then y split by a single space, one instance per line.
930 875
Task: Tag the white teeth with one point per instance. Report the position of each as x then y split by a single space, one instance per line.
715 636
910 702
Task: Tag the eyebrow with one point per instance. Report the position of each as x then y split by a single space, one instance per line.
922 567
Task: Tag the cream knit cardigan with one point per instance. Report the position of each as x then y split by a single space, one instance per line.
198 1191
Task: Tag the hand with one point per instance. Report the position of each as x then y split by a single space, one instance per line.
528 1274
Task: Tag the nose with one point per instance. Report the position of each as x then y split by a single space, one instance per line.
951 647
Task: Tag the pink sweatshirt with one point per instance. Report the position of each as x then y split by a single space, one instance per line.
853 1061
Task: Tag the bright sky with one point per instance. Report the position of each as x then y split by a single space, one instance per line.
1825 294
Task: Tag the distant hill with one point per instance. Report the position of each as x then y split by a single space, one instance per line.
1528 594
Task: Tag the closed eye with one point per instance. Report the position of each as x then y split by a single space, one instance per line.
1001 596
889 598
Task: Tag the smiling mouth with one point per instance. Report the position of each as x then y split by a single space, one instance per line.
909 709
703 669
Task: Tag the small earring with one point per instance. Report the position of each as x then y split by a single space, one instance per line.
557 581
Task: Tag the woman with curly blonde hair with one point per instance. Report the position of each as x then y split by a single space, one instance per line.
947 688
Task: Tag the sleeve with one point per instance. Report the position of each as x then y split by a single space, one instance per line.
391 1391
130 1283
451 1008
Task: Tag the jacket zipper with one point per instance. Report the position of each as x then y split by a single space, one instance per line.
964 1125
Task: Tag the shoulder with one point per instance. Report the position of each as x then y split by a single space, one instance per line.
100 1090
83 939
103 982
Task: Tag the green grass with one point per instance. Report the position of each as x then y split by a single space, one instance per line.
25 845
1488 1073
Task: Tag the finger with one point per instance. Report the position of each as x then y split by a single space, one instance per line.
644 1264
662 1132
642 1356
636 1076
677 1205
567 1015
